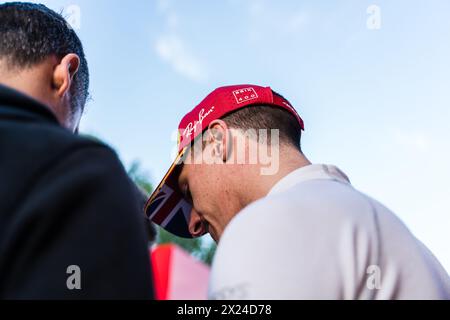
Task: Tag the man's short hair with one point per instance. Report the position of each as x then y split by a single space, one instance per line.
30 33
267 117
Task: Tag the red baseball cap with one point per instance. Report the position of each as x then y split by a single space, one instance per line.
167 206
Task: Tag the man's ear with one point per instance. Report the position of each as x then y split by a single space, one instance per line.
64 72
220 137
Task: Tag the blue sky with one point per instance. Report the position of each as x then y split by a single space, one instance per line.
375 102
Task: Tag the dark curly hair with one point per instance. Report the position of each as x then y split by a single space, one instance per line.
30 33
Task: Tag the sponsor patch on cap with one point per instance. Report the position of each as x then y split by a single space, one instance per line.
244 95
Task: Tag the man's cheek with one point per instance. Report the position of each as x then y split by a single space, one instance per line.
205 201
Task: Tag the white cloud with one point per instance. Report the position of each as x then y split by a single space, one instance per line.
173 50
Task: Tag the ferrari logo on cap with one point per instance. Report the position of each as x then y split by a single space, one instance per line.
244 95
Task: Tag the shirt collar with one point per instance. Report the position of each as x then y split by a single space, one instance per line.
311 172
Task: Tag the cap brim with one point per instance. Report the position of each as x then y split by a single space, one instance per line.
167 206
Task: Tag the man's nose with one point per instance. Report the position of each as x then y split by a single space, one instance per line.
197 226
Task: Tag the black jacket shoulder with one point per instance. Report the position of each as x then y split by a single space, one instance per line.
66 203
